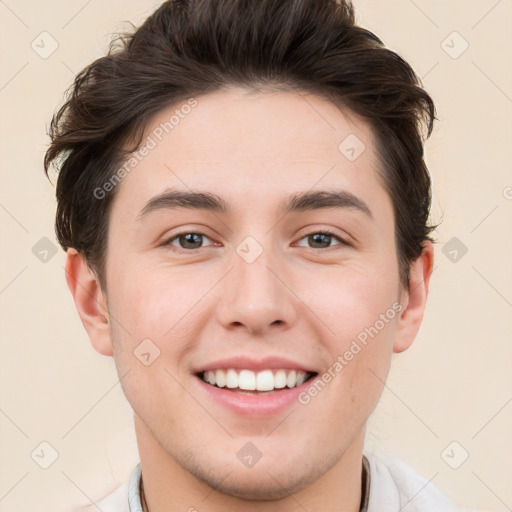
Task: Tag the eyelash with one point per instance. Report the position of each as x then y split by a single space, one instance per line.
167 243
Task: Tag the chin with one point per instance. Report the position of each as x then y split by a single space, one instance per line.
263 486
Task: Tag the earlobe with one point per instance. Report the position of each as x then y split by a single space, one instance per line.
414 299
89 300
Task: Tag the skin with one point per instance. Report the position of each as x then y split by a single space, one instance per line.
299 300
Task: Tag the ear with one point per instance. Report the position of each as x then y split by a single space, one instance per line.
414 299
90 301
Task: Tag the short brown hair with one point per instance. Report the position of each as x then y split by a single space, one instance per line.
193 47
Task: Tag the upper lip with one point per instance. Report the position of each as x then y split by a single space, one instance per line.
248 363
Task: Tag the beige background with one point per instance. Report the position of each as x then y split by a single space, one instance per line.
454 384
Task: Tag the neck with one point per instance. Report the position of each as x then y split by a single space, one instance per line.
168 485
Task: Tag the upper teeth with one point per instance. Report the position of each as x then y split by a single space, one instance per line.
265 380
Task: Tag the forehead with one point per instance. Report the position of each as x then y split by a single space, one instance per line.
233 142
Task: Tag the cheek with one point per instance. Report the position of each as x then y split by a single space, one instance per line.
348 299
154 313
360 309
357 373
143 298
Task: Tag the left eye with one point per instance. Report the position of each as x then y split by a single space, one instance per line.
191 241
322 237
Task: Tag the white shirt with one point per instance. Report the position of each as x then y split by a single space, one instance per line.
393 487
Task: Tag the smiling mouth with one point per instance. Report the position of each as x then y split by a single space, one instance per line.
249 382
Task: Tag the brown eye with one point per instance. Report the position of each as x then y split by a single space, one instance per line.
188 241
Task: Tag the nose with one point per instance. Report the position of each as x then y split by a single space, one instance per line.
255 296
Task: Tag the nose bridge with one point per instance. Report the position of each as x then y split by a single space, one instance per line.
254 295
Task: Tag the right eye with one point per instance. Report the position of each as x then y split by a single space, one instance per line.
185 238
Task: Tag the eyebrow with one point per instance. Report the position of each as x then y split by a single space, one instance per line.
298 202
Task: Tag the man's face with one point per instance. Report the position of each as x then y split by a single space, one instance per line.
253 282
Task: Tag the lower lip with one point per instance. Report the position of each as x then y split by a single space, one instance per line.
255 405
